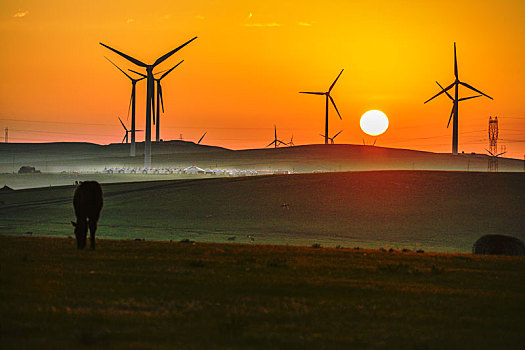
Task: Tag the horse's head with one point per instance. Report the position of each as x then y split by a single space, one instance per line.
81 233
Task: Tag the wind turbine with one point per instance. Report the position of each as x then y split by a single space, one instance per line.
160 99
493 160
291 144
132 131
275 141
132 106
198 143
333 137
328 97
456 100
150 93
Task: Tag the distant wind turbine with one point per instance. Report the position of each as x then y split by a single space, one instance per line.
333 137
160 99
291 144
276 142
132 131
456 100
150 92
131 106
328 97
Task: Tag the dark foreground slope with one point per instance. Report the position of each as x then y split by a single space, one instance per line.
147 295
437 211
56 157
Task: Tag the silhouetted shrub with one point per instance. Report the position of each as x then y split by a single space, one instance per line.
499 245
316 245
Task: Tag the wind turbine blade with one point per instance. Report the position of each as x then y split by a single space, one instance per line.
166 56
451 114
331 99
499 154
468 98
271 143
126 74
473 88
439 93
138 130
129 58
142 75
161 98
321 135
122 124
452 98
312 93
202 138
335 81
169 71
455 62
489 152
337 134
374 142
130 102
275 131
162 71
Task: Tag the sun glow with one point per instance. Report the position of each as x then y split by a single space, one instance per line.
374 122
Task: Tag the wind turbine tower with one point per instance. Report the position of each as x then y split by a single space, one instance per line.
160 100
328 97
150 92
456 100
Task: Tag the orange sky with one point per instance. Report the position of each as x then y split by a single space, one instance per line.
242 75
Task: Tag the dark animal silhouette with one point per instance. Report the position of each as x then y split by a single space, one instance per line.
87 201
498 245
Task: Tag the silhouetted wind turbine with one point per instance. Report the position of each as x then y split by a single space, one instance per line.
328 97
333 137
291 144
150 93
131 105
456 100
275 141
132 131
160 99
198 143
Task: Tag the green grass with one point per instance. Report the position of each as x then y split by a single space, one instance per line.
139 294
434 211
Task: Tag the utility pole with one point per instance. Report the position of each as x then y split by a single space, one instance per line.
493 144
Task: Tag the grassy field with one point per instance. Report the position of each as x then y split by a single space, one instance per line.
433 211
139 294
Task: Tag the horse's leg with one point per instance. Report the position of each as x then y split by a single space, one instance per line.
92 230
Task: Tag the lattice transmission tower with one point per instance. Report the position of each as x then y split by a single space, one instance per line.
493 144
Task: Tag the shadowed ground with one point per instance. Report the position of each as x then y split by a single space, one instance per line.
136 295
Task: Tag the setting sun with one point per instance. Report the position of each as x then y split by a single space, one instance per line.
374 122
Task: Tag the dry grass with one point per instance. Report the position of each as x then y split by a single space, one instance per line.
139 294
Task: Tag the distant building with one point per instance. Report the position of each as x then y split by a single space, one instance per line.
193 170
28 170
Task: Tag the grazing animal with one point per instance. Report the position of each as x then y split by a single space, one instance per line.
87 201
499 245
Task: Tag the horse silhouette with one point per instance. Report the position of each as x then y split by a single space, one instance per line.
87 201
